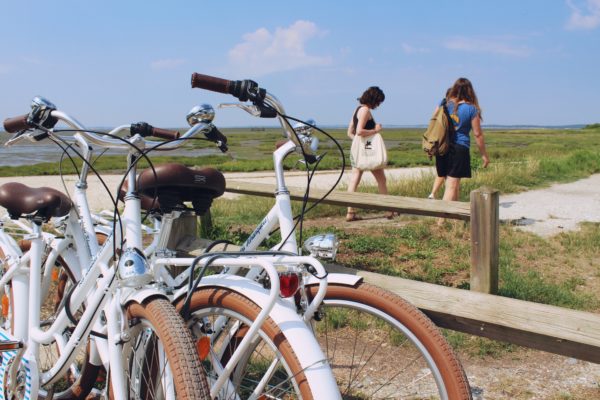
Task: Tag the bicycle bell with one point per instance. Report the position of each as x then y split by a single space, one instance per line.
304 132
203 113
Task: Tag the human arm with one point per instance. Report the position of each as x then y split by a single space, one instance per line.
350 131
364 114
478 133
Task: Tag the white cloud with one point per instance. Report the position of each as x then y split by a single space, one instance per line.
494 46
588 18
408 49
262 52
167 63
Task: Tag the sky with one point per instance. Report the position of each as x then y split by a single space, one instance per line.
107 63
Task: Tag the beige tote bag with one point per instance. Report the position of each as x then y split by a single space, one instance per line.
368 152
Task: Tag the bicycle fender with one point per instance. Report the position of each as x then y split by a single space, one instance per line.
298 333
340 279
141 295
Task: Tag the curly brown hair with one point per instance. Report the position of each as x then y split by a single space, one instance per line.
372 97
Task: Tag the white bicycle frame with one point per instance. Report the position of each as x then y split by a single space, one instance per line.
312 359
97 287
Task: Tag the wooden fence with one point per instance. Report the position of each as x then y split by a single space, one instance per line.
482 212
554 329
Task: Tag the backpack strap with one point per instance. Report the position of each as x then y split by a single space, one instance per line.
451 130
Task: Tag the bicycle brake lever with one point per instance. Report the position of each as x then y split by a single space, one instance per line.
28 135
250 109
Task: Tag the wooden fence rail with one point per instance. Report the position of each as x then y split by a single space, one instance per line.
554 329
482 212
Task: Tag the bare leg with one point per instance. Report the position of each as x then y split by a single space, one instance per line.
451 192
353 184
379 175
452 189
437 184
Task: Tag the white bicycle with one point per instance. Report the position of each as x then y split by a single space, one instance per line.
111 314
314 373
378 345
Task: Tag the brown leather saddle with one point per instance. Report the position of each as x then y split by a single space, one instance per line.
44 202
175 184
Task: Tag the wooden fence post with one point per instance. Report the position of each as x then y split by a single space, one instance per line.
485 225
205 224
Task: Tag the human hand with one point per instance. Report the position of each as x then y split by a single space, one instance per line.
486 160
378 128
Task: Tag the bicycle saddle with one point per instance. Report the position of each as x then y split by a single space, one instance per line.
20 199
175 184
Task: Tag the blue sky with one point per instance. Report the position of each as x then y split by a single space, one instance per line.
114 62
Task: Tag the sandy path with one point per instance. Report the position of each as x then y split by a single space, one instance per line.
546 211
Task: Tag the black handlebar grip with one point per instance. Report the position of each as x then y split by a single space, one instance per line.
16 124
211 83
165 133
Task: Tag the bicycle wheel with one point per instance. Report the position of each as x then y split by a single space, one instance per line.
380 347
287 381
160 357
81 376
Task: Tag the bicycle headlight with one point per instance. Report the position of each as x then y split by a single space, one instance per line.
133 269
323 246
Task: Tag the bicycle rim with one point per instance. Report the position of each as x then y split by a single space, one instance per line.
381 347
225 316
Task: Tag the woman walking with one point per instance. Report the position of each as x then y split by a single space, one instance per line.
465 112
363 124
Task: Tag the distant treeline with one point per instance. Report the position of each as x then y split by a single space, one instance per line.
592 126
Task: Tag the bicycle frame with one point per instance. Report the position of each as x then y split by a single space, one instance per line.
97 284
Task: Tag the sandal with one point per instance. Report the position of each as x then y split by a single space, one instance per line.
391 215
351 216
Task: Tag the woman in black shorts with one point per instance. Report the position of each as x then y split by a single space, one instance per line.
464 110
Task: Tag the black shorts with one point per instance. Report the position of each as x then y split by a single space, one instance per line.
456 163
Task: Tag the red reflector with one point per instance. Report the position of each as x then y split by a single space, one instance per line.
288 284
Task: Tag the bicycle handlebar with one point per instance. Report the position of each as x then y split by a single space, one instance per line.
211 83
244 90
16 124
144 129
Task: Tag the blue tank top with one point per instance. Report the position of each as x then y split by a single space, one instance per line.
462 122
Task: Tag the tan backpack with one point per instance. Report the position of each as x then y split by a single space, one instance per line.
437 138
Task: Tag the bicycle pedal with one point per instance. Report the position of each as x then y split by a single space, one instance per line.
10 345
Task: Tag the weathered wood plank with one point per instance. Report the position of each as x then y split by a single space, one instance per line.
400 204
553 329
485 226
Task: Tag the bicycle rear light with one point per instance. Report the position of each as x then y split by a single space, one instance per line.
289 282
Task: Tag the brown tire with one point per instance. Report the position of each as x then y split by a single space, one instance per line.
214 302
166 325
382 319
